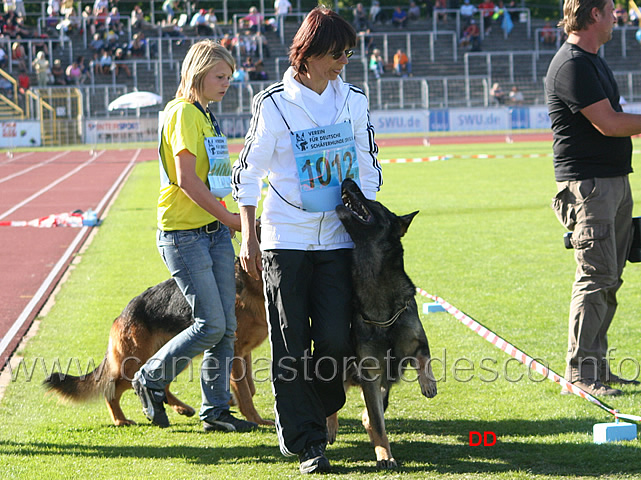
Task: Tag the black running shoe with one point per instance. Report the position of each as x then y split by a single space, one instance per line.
152 402
313 460
226 422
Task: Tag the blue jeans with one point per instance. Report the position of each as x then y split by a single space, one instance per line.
203 266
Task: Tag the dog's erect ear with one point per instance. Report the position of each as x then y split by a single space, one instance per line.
406 220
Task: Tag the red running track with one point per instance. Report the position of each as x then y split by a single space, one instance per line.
34 185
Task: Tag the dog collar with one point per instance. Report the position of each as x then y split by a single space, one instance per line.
391 321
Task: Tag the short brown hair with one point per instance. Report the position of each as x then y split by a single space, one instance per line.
323 31
577 14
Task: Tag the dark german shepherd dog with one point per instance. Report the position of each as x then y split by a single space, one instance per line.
145 325
386 330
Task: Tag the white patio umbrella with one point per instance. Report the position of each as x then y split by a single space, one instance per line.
135 100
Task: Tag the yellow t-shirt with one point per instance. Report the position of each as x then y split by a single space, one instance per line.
184 128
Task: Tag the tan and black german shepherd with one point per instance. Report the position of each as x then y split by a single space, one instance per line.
387 334
146 324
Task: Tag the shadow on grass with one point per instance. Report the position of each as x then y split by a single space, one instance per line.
419 446
520 446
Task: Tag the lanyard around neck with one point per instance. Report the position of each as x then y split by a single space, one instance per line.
210 116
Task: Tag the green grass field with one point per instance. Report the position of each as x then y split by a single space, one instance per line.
486 240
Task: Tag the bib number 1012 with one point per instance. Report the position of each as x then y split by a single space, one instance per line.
323 169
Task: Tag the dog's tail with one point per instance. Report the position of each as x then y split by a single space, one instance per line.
77 389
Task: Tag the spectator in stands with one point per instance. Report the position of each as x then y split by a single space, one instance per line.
66 7
487 11
402 64
84 70
66 25
376 14
100 20
281 10
20 29
118 64
467 11
112 39
548 34
3 58
240 75
360 21
53 8
622 15
99 5
259 72
471 36
24 82
104 62
212 21
138 46
633 18
73 73
19 55
39 44
87 19
376 64
138 21
248 64
113 21
227 41
413 12
516 96
170 7
10 27
439 7
497 93
98 43
399 17
253 20
41 67
261 43
58 73
16 6
245 44
200 23
6 87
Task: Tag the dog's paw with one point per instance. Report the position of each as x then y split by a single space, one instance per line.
261 421
428 389
185 410
124 422
386 464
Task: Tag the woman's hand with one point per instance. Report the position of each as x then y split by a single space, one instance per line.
250 256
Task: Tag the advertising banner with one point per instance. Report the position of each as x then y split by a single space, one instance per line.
20 134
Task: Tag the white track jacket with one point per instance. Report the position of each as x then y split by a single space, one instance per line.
268 153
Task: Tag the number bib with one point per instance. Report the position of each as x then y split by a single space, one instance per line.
324 156
219 175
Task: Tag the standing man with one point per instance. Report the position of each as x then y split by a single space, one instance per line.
592 160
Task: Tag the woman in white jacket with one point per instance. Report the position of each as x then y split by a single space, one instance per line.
308 132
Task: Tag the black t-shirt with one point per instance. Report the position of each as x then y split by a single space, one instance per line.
577 79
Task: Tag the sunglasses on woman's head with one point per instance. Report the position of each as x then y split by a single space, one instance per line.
337 55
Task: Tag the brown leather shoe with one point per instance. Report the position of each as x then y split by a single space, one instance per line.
594 388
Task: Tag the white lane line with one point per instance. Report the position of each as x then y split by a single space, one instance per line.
33 167
50 186
60 265
14 158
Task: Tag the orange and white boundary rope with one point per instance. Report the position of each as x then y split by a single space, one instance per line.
523 357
